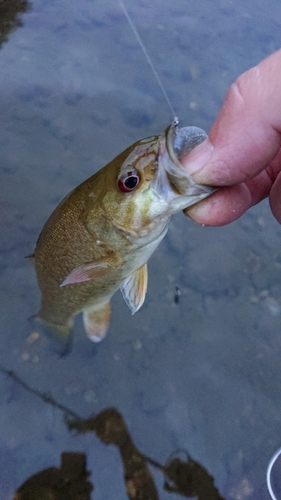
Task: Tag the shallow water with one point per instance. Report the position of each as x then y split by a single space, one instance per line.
201 375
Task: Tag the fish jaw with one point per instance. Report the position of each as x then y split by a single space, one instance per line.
172 183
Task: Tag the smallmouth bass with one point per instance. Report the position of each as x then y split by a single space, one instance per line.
100 237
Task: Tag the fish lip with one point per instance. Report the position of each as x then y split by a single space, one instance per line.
173 181
180 141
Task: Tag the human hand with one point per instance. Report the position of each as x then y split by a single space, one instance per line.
243 152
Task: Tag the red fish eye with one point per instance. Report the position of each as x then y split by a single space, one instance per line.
129 181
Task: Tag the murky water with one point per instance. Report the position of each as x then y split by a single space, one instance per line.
201 375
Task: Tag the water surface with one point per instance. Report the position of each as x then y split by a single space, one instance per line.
201 375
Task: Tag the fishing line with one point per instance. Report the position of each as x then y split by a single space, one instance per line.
268 473
134 29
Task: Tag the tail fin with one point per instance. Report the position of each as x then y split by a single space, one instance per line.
60 335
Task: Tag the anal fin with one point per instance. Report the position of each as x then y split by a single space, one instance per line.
134 288
96 321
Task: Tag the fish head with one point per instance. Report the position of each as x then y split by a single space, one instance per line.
151 183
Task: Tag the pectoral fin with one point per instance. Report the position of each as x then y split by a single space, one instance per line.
96 320
91 270
134 288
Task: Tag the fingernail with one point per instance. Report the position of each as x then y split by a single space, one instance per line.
196 159
198 212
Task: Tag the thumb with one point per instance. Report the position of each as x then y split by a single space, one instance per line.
246 134
275 198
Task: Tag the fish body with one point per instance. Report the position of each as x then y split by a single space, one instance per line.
102 234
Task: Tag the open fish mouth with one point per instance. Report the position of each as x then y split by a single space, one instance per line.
173 181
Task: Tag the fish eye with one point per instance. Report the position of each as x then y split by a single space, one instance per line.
128 181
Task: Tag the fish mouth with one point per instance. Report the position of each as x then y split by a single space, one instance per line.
173 182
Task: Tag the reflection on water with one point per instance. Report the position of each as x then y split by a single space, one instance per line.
10 18
69 482
182 475
198 367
